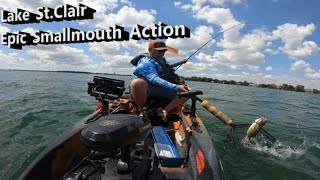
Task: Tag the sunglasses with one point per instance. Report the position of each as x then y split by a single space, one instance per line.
164 50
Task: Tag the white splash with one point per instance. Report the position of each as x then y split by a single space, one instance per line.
277 149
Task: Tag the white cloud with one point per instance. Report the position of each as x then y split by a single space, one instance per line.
253 68
119 61
135 46
245 49
187 7
209 62
113 58
53 58
269 68
309 70
236 1
223 2
125 17
246 74
299 65
105 49
108 51
101 6
215 2
240 57
10 58
30 5
201 35
60 54
196 5
177 3
271 51
126 2
192 68
219 16
306 49
312 74
4 29
293 37
30 30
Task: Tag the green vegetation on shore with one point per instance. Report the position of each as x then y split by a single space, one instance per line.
287 87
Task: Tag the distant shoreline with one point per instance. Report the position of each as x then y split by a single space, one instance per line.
286 87
78 72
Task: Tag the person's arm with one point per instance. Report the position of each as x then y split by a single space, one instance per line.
178 63
149 71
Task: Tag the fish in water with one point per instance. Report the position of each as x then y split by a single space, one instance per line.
255 127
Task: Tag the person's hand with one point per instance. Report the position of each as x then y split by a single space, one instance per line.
183 61
183 88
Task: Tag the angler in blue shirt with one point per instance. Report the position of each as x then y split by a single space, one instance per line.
154 77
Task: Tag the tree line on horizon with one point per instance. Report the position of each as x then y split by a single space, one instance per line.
287 87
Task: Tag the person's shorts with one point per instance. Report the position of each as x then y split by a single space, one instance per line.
162 92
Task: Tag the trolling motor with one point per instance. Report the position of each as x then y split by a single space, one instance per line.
117 132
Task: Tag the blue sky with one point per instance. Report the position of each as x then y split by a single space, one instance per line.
277 41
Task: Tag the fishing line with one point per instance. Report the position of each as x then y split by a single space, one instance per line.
217 35
210 41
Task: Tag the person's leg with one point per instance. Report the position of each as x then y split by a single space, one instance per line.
169 94
139 92
177 101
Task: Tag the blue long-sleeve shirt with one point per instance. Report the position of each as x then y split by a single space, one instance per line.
149 70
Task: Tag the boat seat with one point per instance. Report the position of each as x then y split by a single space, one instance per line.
165 149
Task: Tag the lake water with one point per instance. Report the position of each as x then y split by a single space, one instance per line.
36 107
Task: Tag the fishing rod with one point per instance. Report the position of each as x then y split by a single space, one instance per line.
209 41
